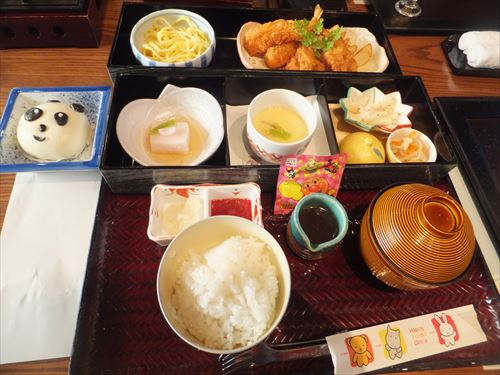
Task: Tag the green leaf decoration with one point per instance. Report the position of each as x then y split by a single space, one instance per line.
277 131
314 39
163 125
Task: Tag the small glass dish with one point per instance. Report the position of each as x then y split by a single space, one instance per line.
175 207
94 99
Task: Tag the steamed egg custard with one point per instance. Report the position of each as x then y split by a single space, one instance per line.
280 124
175 141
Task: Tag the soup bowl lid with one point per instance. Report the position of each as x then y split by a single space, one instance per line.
422 232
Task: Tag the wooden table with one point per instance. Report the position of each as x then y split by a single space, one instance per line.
417 55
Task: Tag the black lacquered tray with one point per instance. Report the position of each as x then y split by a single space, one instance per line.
441 16
124 175
121 329
310 4
458 60
226 22
474 127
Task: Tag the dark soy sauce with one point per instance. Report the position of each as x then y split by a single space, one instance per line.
318 224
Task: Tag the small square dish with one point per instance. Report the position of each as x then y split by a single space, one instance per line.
175 207
92 101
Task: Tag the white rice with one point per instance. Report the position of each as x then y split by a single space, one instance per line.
226 296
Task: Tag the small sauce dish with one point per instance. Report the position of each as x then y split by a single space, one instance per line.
174 207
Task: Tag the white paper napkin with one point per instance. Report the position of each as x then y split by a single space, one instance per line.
43 255
482 48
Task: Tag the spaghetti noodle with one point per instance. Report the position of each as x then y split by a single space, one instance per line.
174 42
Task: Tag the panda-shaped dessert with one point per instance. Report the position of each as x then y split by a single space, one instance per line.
53 131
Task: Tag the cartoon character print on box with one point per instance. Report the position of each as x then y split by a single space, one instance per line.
360 350
446 329
393 342
301 175
54 131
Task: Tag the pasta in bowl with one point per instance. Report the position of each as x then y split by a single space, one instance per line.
173 38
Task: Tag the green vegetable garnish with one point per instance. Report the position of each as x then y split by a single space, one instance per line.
277 131
314 39
163 125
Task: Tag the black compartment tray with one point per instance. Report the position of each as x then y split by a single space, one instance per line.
441 17
124 175
226 22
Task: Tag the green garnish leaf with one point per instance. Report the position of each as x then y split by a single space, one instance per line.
314 38
277 131
163 125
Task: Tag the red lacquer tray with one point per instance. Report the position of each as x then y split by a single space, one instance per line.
121 330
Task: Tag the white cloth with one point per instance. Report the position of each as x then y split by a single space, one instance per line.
482 48
43 255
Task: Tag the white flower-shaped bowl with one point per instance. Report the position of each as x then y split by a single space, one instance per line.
145 23
373 110
192 102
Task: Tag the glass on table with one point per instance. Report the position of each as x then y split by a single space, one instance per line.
408 8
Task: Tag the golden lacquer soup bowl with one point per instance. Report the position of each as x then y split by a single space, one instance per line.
415 236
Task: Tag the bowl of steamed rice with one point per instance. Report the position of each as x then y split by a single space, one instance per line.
173 38
223 284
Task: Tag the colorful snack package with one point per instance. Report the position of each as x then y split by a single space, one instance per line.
300 175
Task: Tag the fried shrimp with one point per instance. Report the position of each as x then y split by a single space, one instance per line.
277 56
305 59
270 34
340 58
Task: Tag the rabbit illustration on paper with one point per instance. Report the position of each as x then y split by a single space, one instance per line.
393 342
446 330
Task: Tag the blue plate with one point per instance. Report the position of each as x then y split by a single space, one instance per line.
95 99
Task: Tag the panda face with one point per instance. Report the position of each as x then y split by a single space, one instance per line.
53 131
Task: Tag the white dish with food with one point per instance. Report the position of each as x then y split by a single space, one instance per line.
53 128
240 152
174 208
280 122
410 146
223 284
156 39
373 110
141 122
372 59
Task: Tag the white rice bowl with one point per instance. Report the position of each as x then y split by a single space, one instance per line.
228 291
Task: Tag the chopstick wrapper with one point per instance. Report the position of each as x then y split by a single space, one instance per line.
389 344
44 247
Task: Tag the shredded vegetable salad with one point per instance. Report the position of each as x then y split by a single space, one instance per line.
409 149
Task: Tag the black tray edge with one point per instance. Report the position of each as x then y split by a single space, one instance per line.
471 181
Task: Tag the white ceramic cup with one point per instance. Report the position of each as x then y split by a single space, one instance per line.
267 149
